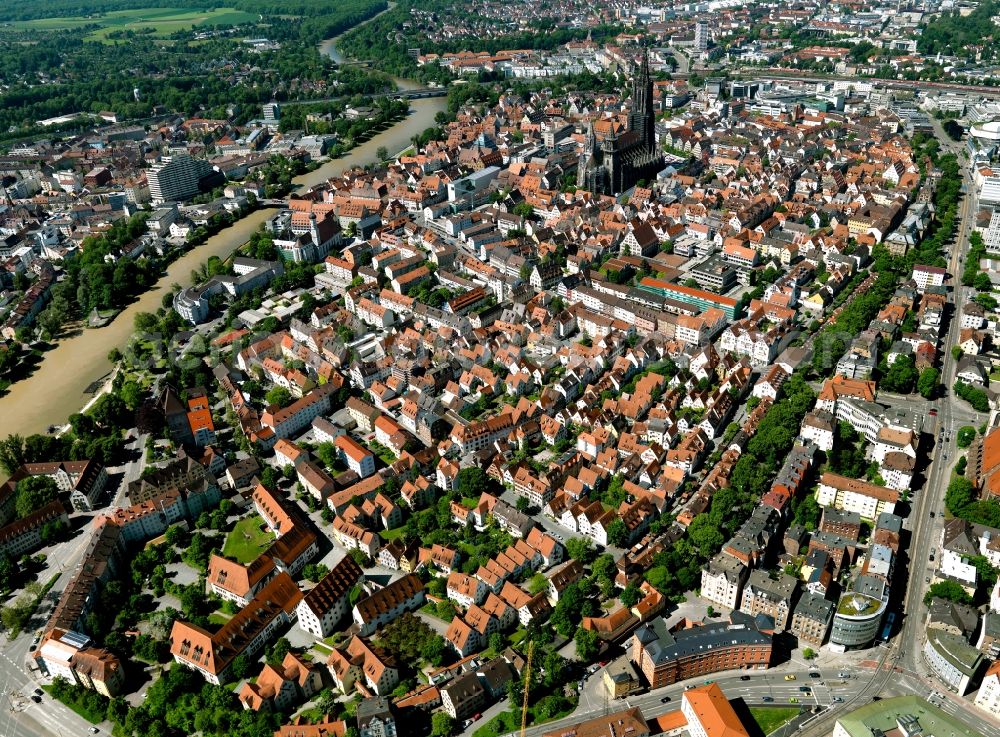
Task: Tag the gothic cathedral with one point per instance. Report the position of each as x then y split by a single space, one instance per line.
616 161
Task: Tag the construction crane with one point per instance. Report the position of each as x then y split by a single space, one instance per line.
527 683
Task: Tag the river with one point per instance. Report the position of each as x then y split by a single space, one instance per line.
57 388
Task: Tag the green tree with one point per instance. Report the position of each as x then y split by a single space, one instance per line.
965 436
442 725
33 493
901 376
704 535
12 453
445 610
523 209
927 383
277 652
537 584
581 549
279 396
949 590
587 644
471 482
497 642
240 667
631 595
145 322
617 533
8 573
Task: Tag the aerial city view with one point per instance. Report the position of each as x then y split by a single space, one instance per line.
425 368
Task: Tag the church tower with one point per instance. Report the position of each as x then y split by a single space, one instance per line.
641 118
586 162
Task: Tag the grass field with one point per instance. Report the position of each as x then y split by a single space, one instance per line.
771 718
157 21
247 540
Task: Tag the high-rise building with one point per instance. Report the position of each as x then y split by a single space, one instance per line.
272 113
700 37
176 178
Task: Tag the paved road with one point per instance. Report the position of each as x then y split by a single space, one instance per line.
905 667
760 686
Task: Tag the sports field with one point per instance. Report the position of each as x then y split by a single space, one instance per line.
157 21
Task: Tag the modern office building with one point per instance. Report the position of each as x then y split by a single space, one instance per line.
953 659
859 614
176 178
688 295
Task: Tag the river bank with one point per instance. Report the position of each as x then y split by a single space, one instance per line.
58 386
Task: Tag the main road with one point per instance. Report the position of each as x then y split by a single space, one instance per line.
902 662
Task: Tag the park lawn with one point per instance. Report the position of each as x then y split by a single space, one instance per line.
161 22
502 723
771 718
248 540
392 534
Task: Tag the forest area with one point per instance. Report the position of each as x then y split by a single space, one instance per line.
174 71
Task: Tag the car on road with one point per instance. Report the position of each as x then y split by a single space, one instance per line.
36 698
792 700
766 699
805 689
837 700
790 677
814 674
932 515
665 700
933 412
94 730
744 678
927 579
39 692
